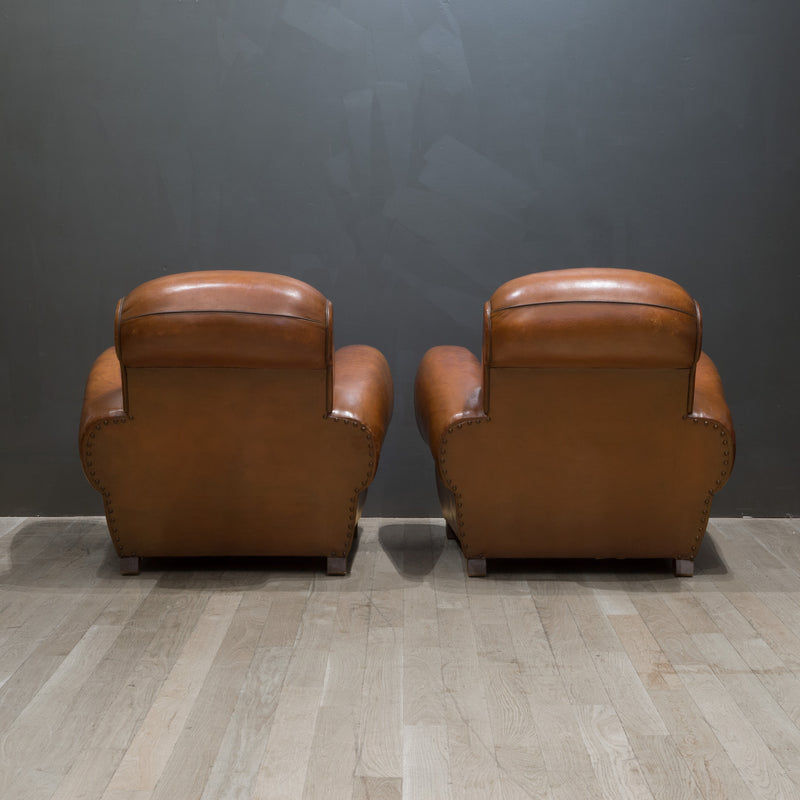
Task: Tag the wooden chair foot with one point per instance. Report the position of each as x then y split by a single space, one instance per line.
684 568
449 532
337 565
129 565
476 567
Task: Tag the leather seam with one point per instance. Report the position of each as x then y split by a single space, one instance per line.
231 311
584 368
592 302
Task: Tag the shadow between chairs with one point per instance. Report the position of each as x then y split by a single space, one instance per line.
412 547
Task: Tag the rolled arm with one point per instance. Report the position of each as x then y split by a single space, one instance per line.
448 389
102 399
709 399
362 388
103 396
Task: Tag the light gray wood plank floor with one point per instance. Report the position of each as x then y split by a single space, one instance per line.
265 678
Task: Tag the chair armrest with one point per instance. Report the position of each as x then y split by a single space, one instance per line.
709 399
448 389
362 388
103 396
102 400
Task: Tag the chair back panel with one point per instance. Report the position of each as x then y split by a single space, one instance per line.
583 463
234 461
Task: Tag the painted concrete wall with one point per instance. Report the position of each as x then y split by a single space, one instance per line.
405 157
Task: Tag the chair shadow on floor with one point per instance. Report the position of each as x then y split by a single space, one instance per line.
71 554
415 547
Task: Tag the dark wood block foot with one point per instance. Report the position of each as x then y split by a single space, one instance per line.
684 568
476 567
129 565
337 566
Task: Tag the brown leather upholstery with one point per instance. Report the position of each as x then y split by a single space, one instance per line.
223 422
594 426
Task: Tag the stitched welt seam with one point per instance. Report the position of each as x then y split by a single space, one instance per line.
223 311
592 302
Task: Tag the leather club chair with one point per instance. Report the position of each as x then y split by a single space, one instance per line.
223 422
593 427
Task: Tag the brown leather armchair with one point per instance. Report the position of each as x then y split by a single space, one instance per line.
593 427
223 422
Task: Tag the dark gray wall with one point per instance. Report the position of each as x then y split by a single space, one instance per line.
405 157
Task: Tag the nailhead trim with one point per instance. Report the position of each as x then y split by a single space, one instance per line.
706 508
453 488
351 521
111 520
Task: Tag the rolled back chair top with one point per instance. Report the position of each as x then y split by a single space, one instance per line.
592 318
225 318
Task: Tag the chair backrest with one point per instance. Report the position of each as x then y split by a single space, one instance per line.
591 319
223 319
